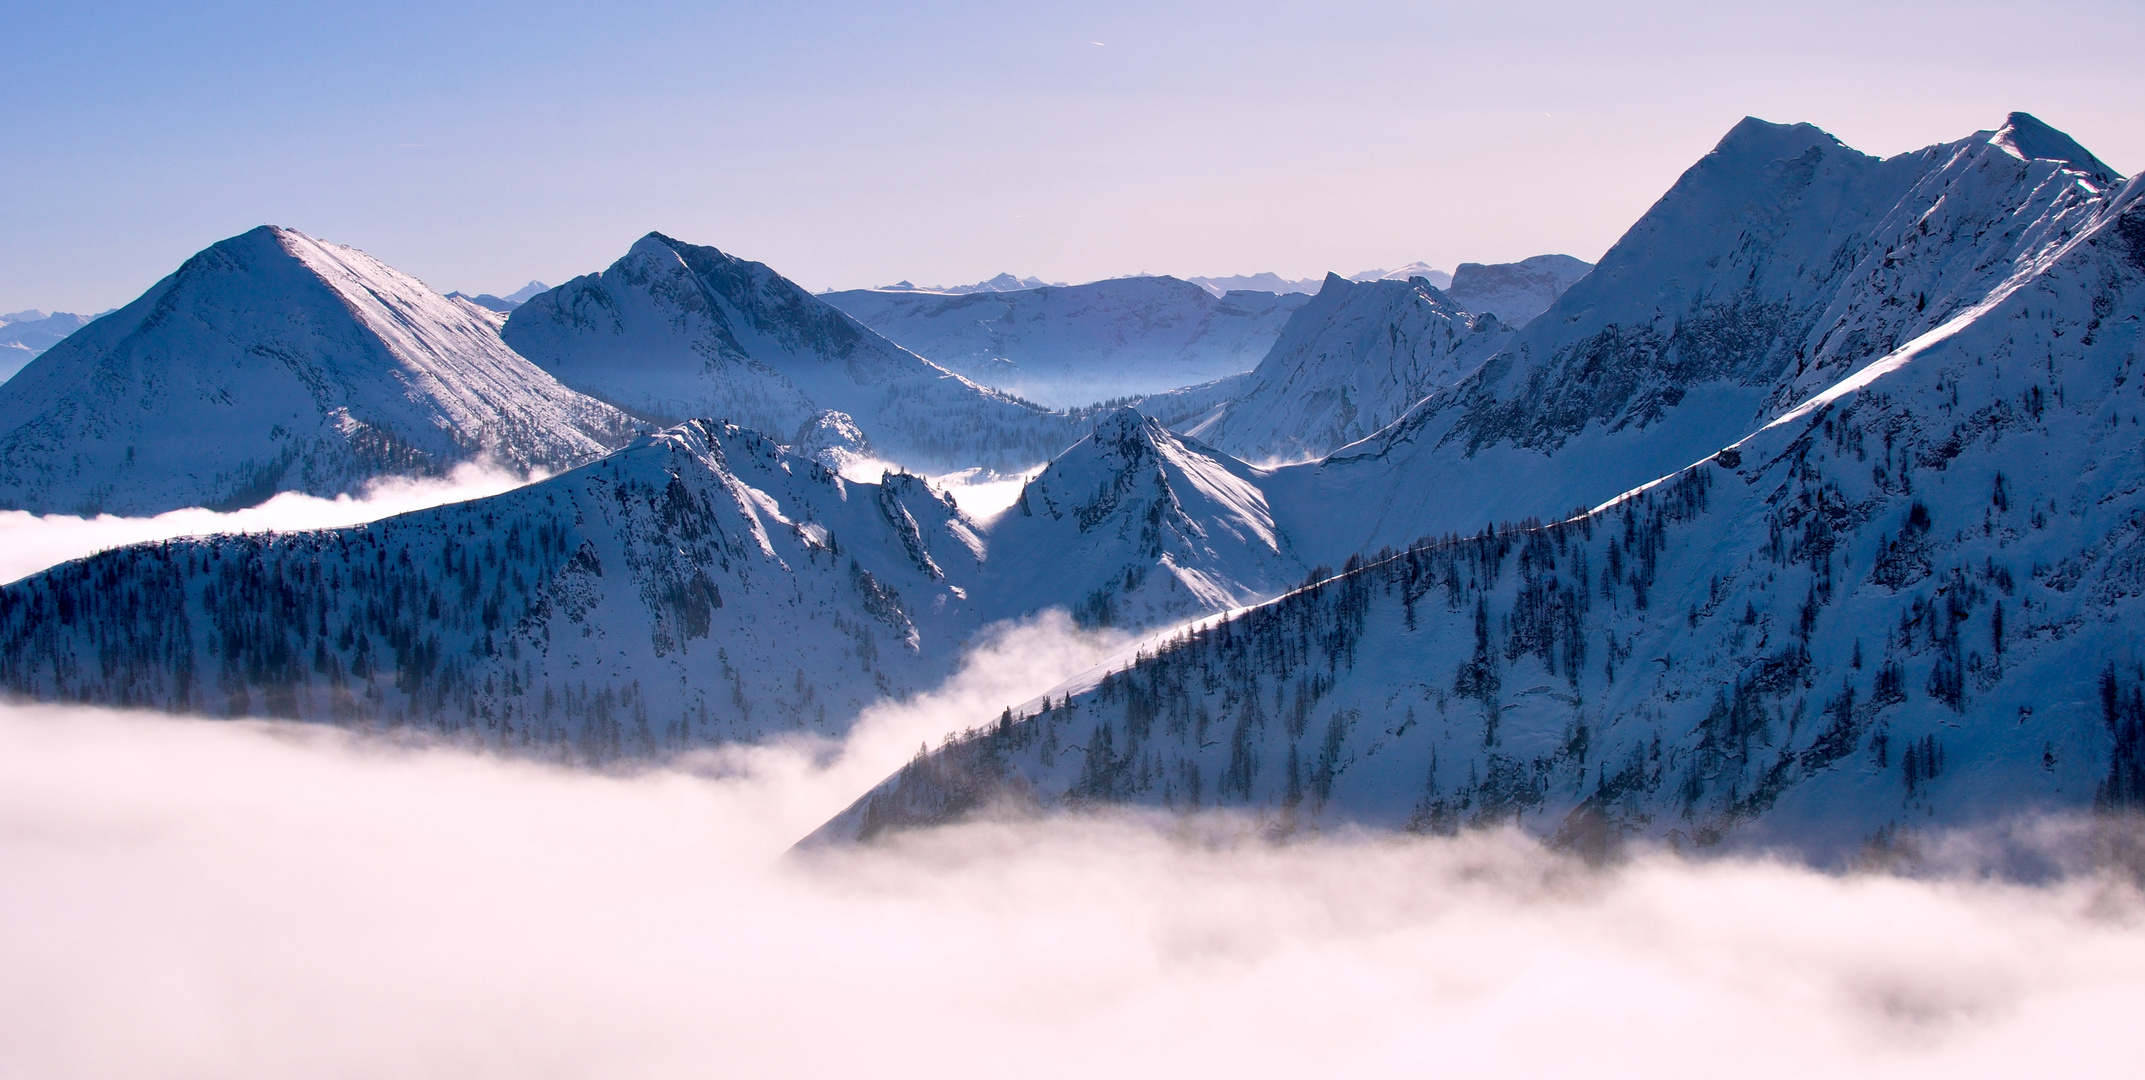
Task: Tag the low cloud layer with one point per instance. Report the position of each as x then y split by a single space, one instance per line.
187 898
31 542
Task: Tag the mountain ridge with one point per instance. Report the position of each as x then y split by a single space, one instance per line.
674 330
1906 601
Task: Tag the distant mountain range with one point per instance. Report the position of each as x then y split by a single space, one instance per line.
1072 345
1265 281
26 334
1001 283
503 304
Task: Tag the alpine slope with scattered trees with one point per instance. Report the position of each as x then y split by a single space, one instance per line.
700 586
1911 598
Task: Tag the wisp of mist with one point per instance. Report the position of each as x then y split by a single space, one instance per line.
189 898
32 542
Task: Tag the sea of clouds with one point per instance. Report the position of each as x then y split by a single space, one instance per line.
188 898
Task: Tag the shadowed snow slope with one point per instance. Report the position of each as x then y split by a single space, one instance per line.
699 586
276 362
1071 345
673 331
1911 600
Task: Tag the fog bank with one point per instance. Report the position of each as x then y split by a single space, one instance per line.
32 542
186 898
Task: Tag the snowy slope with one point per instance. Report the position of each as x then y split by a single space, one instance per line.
701 585
276 362
1135 526
674 330
1350 361
1777 265
1515 292
1075 345
1913 599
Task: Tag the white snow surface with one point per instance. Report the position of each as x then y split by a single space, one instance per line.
674 331
1075 345
271 362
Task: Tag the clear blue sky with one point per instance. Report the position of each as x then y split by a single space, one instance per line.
478 145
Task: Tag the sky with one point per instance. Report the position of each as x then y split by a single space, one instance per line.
479 145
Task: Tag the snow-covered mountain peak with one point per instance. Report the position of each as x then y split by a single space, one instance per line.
275 361
2027 138
700 585
1135 525
834 440
1752 142
1350 361
1127 426
674 330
